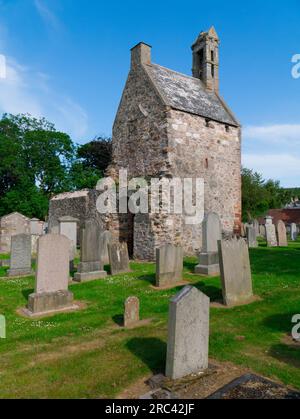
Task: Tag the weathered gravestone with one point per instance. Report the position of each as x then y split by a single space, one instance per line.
188 334
131 311
209 258
252 237
90 267
282 234
169 265
255 224
105 240
118 258
20 258
294 232
262 231
271 233
68 228
52 277
235 271
243 230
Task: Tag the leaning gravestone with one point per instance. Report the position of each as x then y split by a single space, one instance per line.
271 232
169 265
90 267
255 224
118 258
282 234
20 259
131 312
188 334
252 237
243 230
52 277
294 232
235 271
209 258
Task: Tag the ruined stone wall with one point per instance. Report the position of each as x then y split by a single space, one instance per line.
12 225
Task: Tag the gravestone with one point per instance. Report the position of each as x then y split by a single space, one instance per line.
20 258
106 239
262 231
52 277
188 334
294 232
209 258
255 224
169 265
90 267
271 233
282 234
235 271
131 312
68 228
252 237
118 258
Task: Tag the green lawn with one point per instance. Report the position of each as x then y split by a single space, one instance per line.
86 354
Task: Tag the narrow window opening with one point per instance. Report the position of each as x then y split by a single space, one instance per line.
212 56
213 71
227 128
207 123
206 164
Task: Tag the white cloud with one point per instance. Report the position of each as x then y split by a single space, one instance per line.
284 167
274 134
47 15
26 91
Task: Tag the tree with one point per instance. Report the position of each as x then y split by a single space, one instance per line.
35 161
97 154
259 196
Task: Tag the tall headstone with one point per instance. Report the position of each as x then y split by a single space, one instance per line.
91 266
209 258
52 277
118 258
131 311
169 265
243 230
271 232
68 228
106 239
235 271
188 334
294 232
282 234
20 258
252 237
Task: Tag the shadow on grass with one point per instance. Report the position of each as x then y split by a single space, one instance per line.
286 354
151 278
26 293
118 319
214 293
280 322
151 351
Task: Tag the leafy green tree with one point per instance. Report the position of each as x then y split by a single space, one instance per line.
35 161
96 154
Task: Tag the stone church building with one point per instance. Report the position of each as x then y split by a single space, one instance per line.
174 125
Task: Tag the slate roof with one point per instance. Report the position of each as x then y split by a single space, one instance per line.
188 94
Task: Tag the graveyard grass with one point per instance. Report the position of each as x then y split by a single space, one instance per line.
87 354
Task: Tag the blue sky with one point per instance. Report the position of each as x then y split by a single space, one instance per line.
68 60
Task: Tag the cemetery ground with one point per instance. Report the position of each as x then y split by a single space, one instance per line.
87 354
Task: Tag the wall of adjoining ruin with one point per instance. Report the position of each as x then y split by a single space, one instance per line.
12 225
